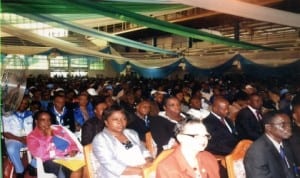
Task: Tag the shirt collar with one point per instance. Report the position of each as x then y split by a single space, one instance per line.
163 114
275 143
216 115
58 113
252 109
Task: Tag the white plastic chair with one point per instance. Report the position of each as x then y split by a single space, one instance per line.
40 170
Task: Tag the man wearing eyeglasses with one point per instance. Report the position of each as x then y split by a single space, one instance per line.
270 155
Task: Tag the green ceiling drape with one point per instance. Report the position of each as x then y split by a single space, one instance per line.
46 18
110 10
125 15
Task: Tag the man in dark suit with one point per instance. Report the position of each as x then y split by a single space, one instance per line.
224 137
295 138
270 155
248 122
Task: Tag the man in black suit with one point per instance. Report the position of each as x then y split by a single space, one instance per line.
295 138
224 137
270 154
248 122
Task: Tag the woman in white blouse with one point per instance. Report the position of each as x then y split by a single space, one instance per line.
117 150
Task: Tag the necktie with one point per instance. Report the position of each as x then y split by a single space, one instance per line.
258 115
223 121
147 122
282 154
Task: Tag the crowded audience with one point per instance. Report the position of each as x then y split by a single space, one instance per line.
114 114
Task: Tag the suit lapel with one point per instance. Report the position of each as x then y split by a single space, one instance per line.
286 172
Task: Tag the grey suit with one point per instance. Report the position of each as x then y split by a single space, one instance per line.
262 160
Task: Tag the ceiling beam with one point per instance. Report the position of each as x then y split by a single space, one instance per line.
247 10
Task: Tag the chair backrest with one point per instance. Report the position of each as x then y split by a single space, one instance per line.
74 138
149 172
40 170
234 161
150 144
88 170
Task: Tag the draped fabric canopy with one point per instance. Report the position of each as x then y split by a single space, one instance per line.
248 10
61 44
93 33
136 11
199 67
150 22
113 11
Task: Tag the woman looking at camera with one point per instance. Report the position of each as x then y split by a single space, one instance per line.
118 150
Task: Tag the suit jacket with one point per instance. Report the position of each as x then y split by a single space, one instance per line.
139 125
90 129
222 141
175 166
247 125
295 143
263 160
161 130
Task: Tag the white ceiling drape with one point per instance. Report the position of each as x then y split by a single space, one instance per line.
57 43
247 10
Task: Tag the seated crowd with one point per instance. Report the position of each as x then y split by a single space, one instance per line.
200 121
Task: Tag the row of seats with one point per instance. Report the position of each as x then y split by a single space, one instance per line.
233 162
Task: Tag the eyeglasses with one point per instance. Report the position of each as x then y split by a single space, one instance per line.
282 124
128 144
208 136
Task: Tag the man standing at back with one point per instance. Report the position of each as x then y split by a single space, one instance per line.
270 155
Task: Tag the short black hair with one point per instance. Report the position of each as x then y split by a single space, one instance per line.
109 111
269 117
296 101
98 100
40 112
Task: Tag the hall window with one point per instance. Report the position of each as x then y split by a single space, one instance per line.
79 62
97 64
38 62
58 61
14 61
